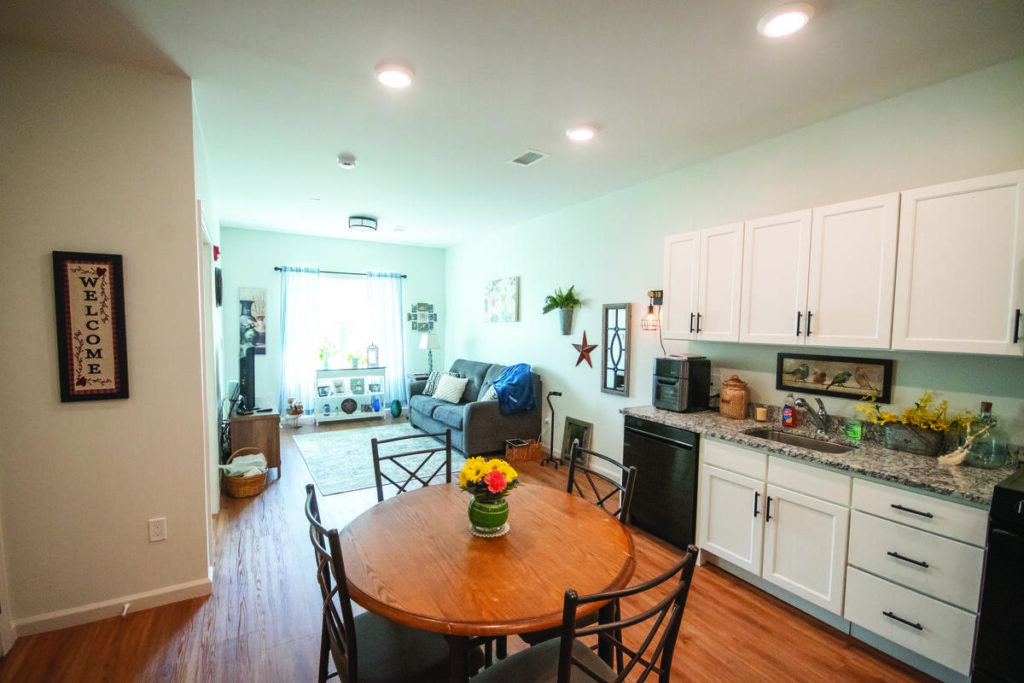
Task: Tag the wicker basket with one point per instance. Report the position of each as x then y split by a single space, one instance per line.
244 487
521 450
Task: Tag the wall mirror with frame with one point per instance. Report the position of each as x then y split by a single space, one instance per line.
615 349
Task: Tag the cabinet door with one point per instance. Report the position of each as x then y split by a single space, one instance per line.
852 273
721 263
775 252
730 507
682 265
961 247
805 546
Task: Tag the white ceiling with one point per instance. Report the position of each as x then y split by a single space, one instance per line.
282 87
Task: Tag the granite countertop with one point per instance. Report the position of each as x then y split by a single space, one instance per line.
970 485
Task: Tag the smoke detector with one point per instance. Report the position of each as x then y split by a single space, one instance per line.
347 161
362 223
530 156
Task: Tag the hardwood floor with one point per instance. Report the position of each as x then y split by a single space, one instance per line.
262 622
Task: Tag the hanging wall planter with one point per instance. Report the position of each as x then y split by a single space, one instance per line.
565 302
565 317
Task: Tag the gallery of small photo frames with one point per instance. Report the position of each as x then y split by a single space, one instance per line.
422 317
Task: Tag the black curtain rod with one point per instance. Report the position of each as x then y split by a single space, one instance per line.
335 272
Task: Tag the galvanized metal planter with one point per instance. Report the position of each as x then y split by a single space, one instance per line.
901 437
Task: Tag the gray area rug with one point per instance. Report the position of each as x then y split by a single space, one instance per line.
343 460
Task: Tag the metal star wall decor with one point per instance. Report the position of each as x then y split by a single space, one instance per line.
584 350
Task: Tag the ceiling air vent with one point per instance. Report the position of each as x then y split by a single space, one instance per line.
362 223
530 156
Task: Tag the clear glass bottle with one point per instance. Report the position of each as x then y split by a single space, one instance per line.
988 443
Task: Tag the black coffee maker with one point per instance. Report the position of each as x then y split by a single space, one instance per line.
682 384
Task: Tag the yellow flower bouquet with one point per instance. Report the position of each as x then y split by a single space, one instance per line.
488 480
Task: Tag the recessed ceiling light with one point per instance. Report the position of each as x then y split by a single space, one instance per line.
581 133
785 19
394 75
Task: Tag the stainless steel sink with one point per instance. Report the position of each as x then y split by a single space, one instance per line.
797 440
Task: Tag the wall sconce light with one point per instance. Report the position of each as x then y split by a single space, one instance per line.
652 321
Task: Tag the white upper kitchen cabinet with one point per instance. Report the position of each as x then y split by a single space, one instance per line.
852 273
958 274
702 284
775 254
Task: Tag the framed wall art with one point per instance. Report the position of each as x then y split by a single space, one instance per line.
615 349
575 430
840 376
253 319
501 300
92 350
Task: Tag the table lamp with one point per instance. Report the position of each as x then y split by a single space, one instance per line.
429 341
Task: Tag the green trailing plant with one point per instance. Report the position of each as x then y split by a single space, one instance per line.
560 299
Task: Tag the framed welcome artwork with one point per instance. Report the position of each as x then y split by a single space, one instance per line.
91 343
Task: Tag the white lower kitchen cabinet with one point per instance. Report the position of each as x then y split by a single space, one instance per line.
730 509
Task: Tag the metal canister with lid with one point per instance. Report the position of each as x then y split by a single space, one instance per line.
734 398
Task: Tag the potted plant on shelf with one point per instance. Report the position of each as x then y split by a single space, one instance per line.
354 359
921 429
565 302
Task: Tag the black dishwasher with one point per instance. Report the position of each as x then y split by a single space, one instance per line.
665 496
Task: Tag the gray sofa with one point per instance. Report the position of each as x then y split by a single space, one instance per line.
477 426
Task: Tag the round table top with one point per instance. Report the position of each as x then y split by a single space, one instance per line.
413 559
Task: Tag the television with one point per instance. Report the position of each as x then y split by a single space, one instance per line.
247 380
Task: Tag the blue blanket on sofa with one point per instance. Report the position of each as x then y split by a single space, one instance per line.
515 389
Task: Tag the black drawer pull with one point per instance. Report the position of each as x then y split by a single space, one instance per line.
698 323
912 511
1016 327
809 314
691 323
903 621
919 563
757 494
768 509
799 315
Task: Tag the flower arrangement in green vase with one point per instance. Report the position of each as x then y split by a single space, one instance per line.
489 481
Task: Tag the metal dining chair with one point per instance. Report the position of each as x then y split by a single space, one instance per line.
407 470
632 647
368 648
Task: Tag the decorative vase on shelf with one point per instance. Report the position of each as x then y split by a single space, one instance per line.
911 439
987 441
488 516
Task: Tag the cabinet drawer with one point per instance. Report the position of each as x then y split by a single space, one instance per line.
935 630
734 458
830 486
924 512
953 571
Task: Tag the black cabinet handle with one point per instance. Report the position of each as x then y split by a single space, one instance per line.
892 553
691 323
912 511
1016 327
904 621
799 315
768 509
809 314
757 494
698 323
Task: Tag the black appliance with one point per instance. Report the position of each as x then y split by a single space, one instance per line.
665 495
682 383
998 655
247 380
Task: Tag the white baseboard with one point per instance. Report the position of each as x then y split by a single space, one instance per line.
112 608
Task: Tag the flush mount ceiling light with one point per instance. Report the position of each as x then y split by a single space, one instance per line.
581 133
362 223
785 19
347 161
394 75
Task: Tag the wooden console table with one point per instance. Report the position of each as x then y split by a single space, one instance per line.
259 430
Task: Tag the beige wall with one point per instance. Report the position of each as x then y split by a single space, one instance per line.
98 157
611 248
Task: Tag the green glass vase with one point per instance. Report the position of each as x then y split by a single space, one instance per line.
488 516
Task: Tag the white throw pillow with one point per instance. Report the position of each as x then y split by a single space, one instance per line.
450 388
433 379
491 394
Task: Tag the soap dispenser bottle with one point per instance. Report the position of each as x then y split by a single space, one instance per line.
789 411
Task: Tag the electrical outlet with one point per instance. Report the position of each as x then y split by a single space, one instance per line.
157 529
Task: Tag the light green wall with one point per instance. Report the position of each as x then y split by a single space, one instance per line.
249 258
611 248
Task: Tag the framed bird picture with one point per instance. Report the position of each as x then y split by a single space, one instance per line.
840 376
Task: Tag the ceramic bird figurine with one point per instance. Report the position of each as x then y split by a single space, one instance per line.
840 379
819 376
801 372
861 375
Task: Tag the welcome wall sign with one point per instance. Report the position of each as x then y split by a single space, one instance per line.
93 356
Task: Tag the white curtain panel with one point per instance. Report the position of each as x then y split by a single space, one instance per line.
299 324
385 292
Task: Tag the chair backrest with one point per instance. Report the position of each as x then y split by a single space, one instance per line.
338 621
615 496
658 625
402 469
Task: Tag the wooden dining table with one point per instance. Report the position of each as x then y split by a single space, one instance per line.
413 559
